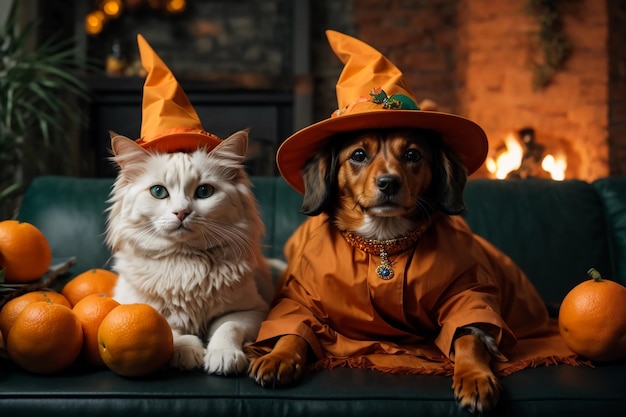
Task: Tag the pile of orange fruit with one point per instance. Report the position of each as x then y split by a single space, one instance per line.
46 331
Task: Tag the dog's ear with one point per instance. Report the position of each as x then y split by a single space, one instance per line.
319 174
449 178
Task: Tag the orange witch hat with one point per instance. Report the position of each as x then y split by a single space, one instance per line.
372 94
169 122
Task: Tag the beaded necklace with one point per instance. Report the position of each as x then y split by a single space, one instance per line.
384 248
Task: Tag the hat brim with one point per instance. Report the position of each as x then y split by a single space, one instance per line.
462 135
181 142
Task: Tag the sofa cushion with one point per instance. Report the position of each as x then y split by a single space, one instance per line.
613 192
70 213
547 391
279 205
555 231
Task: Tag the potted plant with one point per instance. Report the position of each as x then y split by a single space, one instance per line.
41 107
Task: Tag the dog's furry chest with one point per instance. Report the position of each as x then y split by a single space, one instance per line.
189 290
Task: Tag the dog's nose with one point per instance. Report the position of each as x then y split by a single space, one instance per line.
388 184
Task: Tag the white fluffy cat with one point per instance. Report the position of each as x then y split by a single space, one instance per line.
185 231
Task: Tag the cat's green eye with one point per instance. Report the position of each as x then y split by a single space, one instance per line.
204 191
159 191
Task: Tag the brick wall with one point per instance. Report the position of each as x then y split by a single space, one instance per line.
475 58
617 87
417 35
570 113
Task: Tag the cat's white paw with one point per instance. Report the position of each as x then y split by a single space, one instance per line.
225 361
188 352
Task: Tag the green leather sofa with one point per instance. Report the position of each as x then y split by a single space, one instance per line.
554 230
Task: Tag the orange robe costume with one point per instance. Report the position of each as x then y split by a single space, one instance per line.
331 295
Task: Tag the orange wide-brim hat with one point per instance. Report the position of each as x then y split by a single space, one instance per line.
372 94
169 122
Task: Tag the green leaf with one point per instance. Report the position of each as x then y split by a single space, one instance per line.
40 93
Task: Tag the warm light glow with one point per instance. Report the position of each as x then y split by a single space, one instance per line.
511 158
112 8
175 6
555 166
94 22
507 161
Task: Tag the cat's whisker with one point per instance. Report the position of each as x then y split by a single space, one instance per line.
144 237
230 236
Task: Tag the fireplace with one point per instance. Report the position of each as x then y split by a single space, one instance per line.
475 58
567 117
523 156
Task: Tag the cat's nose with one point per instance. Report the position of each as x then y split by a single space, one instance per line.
181 214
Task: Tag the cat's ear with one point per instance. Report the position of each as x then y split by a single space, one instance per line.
125 150
234 147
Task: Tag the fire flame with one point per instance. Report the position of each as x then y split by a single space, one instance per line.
555 166
507 161
511 159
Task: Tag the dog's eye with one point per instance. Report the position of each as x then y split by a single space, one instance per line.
412 155
358 156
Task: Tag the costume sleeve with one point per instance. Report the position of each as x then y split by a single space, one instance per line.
292 314
472 302
473 293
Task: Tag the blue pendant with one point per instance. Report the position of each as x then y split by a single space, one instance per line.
384 270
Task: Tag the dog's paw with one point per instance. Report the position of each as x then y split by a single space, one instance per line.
227 361
276 370
476 390
188 352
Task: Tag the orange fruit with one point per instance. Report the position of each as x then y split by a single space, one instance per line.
14 307
46 337
135 340
93 281
592 319
91 310
25 252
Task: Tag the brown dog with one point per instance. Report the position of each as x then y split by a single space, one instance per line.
382 185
